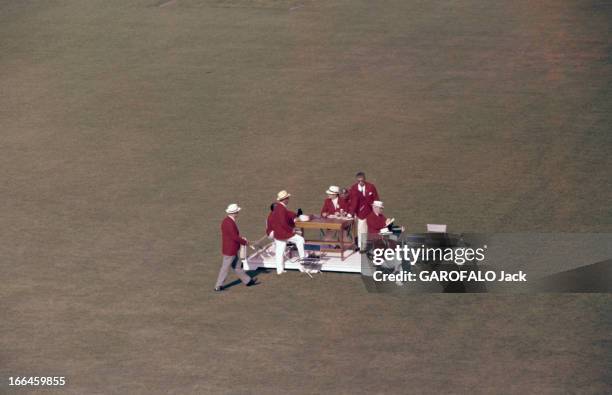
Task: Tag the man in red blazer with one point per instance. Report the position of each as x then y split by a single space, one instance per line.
337 201
230 245
282 224
332 202
345 201
269 230
376 219
362 195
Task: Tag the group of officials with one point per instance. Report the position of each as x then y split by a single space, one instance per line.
360 201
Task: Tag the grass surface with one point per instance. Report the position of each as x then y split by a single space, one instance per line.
127 127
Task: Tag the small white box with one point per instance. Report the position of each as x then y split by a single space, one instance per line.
436 228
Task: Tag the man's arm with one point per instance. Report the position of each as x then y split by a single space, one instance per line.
291 216
234 233
324 209
354 200
375 193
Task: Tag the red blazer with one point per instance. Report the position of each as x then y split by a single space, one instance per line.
329 208
362 205
282 222
375 222
292 214
345 204
230 237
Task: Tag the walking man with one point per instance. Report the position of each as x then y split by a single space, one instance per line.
282 223
231 242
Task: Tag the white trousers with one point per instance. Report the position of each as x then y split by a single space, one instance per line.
362 233
280 246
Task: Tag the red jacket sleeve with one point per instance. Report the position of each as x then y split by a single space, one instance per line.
345 204
328 207
355 198
291 216
375 193
230 229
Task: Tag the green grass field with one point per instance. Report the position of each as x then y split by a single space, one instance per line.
126 127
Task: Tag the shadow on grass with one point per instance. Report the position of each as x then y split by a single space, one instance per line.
252 273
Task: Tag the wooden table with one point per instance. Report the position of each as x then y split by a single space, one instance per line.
337 224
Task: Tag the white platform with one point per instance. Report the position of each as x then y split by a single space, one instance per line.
329 261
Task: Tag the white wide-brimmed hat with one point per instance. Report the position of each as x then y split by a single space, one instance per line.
378 203
232 208
282 195
333 190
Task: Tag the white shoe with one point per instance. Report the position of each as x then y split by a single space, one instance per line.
279 273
